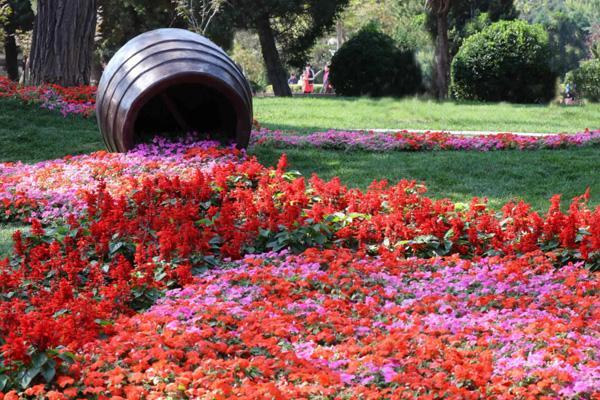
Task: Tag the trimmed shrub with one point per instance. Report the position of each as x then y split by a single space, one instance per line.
507 61
586 80
372 64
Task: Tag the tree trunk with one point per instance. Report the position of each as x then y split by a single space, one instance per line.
11 52
442 57
63 40
340 34
275 71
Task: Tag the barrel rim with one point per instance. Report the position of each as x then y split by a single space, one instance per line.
131 115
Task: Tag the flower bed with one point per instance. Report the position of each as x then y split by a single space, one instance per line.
330 324
55 189
428 141
79 100
333 324
259 206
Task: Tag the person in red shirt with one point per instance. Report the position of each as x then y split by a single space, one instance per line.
308 79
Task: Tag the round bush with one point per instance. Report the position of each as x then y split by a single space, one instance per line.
371 63
586 80
507 61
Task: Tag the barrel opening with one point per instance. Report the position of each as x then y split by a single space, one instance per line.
187 107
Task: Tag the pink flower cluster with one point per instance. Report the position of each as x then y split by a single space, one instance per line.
56 188
413 141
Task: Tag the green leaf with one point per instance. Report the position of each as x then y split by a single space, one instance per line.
39 359
49 372
29 376
3 382
67 357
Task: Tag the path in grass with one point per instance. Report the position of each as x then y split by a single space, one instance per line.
315 114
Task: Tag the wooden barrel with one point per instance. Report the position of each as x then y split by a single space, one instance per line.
169 82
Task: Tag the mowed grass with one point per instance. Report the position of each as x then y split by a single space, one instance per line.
532 176
6 242
30 134
318 114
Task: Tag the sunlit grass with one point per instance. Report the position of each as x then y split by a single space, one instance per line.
532 176
310 114
6 243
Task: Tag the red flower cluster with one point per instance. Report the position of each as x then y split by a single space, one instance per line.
64 286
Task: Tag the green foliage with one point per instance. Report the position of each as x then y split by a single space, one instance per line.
508 61
16 15
593 43
122 20
42 369
467 17
206 17
246 53
586 80
570 24
372 64
403 20
567 40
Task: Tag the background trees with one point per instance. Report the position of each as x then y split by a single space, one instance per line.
287 29
121 20
451 21
271 38
570 24
15 16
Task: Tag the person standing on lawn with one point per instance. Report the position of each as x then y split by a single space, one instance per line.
327 88
308 79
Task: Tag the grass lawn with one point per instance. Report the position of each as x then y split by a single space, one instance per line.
6 232
533 176
318 114
30 135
